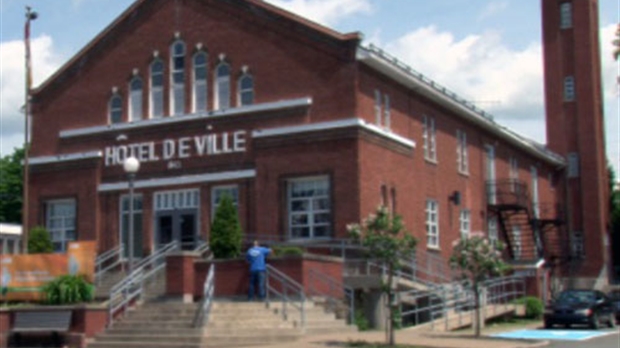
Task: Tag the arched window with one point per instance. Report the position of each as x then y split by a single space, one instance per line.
246 90
157 89
135 99
200 82
115 109
222 86
177 76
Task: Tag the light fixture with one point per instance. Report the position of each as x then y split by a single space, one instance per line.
131 165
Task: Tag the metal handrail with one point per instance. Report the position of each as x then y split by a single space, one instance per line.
337 292
102 259
131 287
201 318
288 290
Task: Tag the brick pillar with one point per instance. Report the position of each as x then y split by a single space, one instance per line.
180 275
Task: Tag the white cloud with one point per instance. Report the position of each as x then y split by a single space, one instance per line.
480 68
326 12
12 85
611 95
492 8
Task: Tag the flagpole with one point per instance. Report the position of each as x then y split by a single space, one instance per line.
30 16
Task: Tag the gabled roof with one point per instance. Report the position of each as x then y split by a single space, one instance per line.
256 7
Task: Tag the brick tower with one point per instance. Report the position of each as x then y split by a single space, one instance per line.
575 129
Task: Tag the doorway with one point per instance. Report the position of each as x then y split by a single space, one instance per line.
177 225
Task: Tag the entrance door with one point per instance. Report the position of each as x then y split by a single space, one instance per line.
179 225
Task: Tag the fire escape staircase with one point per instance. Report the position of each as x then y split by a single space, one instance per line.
531 232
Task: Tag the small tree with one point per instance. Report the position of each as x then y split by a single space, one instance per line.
40 241
225 238
386 241
477 260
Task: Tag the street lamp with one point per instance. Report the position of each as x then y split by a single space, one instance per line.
131 165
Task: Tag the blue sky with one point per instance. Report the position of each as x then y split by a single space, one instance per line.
487 51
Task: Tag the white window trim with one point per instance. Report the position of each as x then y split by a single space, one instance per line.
200 83
493 229
177 86
156 89
135 115
64 241
465 223
216 90
121 213
429 136
461 152
387 113
311 211
240 90
517 247
111 109
430 223
378 107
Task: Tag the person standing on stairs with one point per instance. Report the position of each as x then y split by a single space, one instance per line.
256 258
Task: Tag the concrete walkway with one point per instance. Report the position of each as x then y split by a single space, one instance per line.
412 337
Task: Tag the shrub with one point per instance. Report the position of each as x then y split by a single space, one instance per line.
40 241
225 238
534 307
361 321
287 251
68 289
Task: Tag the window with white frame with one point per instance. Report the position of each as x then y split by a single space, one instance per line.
115 108
199 97
246 90
60 222
377 107
218 192
135 99
461 152
577 247
157 89
428 134
383 113
222 86
566 15
514 173
573 165
309 207
387 113
516 242
492 230
465 223
432 223
569 88
181 199
177 78
137 224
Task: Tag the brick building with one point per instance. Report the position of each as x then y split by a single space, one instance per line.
303 126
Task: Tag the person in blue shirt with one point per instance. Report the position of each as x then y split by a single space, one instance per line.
256 258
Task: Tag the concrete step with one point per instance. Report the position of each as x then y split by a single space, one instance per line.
142 345
247 341
112 337
149 324
155 331
255 332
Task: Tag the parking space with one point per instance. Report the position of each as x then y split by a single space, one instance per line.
555 334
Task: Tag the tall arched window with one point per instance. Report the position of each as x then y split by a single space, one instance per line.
157 89
200 82
135 99
222 86
177 76
115 109
246 90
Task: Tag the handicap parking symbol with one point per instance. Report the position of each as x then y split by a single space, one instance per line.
563 335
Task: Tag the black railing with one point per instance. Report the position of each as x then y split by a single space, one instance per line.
507 192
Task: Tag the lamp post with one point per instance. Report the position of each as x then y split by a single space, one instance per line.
30 16
131 165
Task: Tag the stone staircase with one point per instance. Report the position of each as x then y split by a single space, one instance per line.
163 323
102 289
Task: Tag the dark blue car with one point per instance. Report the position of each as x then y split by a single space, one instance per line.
580 307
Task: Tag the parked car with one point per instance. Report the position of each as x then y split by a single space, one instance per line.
614 296
585 307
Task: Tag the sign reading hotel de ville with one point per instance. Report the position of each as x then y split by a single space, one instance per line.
174 149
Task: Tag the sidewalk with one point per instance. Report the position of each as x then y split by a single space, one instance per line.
411 337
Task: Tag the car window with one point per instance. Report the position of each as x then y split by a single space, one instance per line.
576 296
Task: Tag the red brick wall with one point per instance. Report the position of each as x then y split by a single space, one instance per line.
180 275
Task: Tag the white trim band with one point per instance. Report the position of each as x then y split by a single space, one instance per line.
180 180
279 105
65 157
322 126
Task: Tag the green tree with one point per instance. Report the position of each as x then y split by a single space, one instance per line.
225 238
477 260
385 239
11 188
40 241
616 43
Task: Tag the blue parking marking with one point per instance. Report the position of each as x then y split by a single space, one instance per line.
563 335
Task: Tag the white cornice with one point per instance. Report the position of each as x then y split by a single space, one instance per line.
242 110
64 157
329 125
179 180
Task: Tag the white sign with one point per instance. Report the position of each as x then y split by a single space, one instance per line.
179 148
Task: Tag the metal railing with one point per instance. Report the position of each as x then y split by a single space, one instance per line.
291 294
201 318
131 288
336 294
108 261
